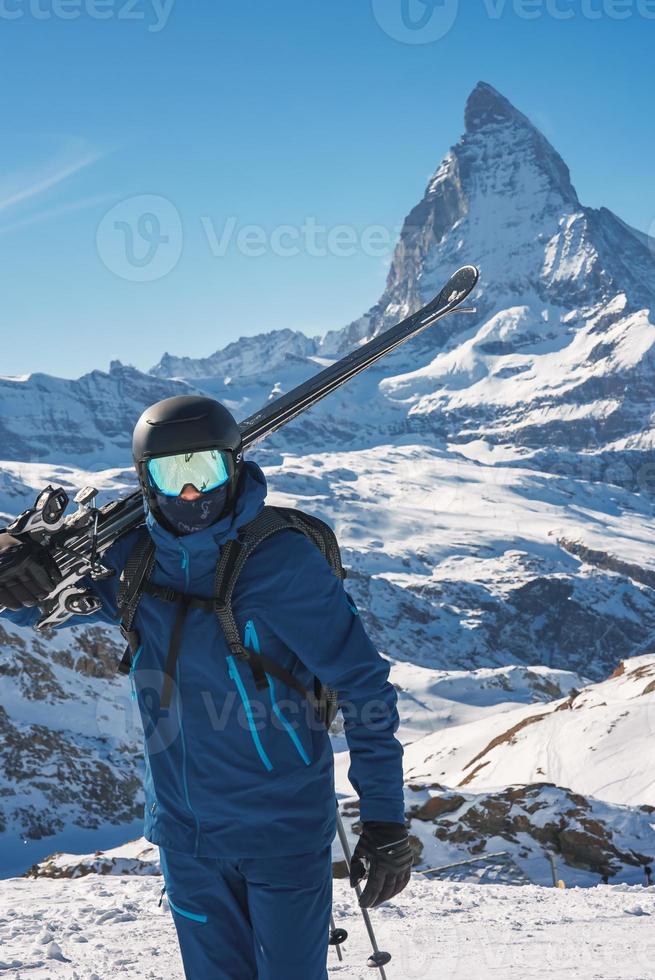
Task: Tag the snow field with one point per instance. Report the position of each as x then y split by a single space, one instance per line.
97 928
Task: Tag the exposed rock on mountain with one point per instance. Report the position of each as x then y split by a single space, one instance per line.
70 748
138 857
590 841
89 420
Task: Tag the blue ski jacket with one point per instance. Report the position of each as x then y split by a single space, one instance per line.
236 772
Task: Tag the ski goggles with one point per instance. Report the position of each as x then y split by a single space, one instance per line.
205 470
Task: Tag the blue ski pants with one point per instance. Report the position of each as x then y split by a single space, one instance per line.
251 918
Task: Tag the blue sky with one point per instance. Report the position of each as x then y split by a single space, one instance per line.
165 128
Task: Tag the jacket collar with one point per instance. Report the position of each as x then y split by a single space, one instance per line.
251 493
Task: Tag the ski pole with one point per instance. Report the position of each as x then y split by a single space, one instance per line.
337 937
379 959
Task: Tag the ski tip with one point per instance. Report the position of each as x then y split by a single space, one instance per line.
460 285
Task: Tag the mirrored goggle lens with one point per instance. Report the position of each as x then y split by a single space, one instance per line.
205 470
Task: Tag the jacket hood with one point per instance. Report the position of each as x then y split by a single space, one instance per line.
251 494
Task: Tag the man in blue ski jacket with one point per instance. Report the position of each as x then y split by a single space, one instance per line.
239 776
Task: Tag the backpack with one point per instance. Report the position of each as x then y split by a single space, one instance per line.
135 581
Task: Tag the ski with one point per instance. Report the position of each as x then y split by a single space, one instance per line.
307 394
77 541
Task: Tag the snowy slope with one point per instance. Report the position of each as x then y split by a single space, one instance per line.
588 835
98 927
431 700
597 741
516 833
570 777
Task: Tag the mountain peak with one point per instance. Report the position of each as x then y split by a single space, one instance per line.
486 105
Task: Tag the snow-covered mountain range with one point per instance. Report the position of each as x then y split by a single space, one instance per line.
491 484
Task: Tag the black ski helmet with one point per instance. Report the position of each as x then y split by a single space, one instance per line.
185 423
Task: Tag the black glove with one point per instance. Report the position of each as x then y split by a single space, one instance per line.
27 572
384 857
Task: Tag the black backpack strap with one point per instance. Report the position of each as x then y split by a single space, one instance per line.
184 603
325 698
320 533
170 595
135 573
173 652
234 555
236 552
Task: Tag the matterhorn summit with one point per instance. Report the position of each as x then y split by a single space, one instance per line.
503 197
560 352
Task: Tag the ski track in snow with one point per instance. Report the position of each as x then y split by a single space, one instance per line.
96 928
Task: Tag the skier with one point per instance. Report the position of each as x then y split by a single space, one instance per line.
239 771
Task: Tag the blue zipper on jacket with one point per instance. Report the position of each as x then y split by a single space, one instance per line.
233 671
185 782
251 639
135 659
185 566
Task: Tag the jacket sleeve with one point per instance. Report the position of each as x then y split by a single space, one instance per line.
105 589
312 614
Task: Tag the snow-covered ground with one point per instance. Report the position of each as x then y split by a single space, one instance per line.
599 741
98 928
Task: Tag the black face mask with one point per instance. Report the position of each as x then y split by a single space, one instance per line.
187 516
